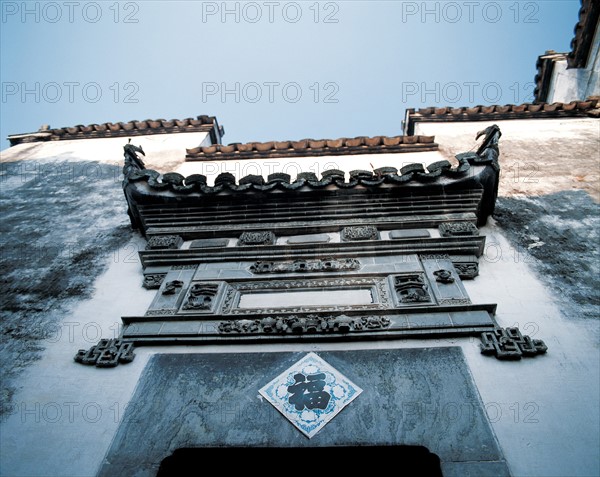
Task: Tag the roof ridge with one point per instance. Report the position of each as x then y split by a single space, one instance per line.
339 146
202 123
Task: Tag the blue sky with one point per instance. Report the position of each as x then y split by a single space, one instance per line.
269 70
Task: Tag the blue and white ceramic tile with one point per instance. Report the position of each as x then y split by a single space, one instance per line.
310 393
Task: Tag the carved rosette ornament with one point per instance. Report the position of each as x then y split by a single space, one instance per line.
458 229
108 353
364 232
510 344
310 324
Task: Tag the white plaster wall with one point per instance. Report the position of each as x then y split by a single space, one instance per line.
576 84
537 156
544 410
164 152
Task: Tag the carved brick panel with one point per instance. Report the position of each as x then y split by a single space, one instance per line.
377 286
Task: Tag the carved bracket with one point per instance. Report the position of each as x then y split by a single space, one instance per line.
108 353
509 343
304 325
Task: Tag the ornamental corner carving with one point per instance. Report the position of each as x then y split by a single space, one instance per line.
153 281
412 288
257 238
172 287
157 242
363 232
510 344
201 296
306 266
443 276
108 353
298 325
458 229
467 270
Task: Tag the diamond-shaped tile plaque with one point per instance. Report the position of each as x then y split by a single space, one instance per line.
310 393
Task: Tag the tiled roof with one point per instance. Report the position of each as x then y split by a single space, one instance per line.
499 113
128 129
313 147
225 182
589 13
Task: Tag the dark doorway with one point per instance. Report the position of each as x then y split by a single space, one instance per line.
407 461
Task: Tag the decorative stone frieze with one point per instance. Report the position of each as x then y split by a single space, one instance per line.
306 266
304 325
